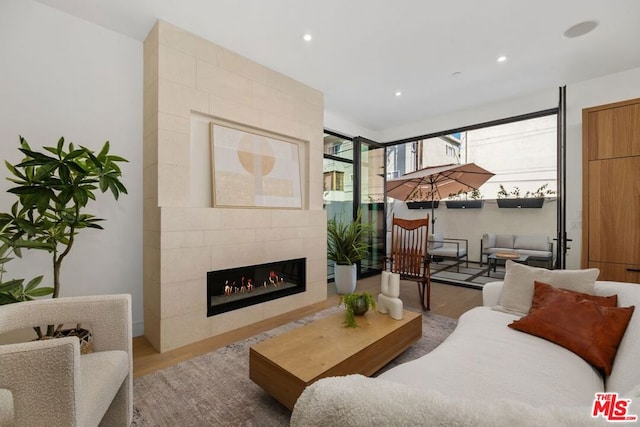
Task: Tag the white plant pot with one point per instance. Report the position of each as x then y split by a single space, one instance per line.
345 278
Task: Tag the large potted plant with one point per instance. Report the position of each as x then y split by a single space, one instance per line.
53 189
347 243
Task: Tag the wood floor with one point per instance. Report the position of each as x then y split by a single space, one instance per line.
446 300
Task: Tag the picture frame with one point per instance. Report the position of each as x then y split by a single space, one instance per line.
254 168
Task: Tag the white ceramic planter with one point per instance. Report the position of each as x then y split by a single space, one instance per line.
345 278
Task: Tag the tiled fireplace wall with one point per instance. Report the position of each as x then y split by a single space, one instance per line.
187 78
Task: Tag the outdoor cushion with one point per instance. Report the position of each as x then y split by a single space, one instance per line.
536 243
505 241
436 241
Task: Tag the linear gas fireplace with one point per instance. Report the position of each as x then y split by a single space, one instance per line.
235 288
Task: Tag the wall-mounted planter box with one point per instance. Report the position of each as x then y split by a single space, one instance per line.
464 204
521 203
423 205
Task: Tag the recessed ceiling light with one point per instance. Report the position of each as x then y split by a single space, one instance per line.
398 93
580 29
307 37
501 58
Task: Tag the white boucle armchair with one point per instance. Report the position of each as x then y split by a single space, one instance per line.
48 382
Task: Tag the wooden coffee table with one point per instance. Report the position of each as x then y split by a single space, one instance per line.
284 365
492 260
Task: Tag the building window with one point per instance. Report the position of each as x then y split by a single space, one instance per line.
451 151
334 181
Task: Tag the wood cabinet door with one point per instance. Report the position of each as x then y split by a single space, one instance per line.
617 272
614 211
614 131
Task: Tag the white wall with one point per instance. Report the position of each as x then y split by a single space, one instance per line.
603 90
62 76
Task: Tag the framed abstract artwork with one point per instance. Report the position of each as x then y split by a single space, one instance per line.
254 167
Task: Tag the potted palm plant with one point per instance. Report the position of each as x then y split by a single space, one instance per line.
347 243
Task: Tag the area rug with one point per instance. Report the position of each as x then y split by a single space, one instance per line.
215 390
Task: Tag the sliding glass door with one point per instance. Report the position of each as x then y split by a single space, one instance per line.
371 172
353 173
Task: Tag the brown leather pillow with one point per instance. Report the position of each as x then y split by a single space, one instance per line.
591 331
544 293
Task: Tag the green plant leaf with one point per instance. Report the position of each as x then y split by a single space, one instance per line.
33 283
40 292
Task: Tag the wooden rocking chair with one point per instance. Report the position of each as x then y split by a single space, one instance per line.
409 256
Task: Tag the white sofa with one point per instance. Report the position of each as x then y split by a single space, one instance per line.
485 373
537 247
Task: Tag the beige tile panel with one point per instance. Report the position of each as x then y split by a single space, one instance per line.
182 264
231 256
207 51
308 113
293 87
229 237
231 320
272 234
182 239
151 289
290 218
152 328
150 104
185 219
278 124
228 109
150 148
151 239
150 182
180 298
173 185
285 249
246 218
268 99
174 148
176 66
150 124
184 329
151 215
241 65
179 100
220 82
174 123
176 38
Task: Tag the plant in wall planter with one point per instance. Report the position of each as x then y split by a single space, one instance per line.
421 199
356 305
513 199
347 243
53 188
468 200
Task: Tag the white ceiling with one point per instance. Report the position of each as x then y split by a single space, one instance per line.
363 51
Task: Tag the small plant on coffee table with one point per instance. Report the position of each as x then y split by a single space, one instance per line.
356 304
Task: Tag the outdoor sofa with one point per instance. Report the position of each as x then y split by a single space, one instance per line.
488 374
537 247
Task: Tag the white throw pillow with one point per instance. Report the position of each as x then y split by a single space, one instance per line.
517 291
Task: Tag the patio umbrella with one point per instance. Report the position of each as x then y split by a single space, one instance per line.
438 182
